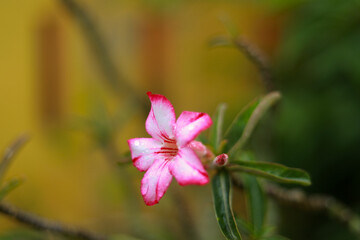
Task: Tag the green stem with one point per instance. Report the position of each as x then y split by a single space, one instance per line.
316 203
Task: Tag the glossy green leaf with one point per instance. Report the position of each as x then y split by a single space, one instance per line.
245 122
237 127
222 203
256 203
9 186
273 171
216 130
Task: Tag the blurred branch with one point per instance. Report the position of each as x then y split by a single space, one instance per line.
10 153
253 53
258 58
31 219
184 215
102 53
319 203
45 224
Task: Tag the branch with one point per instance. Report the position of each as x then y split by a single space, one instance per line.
31 219
102 53
258 58
10 153
44 224
319 203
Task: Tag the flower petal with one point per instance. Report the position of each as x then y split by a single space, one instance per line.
161 120
144 151
189 125
155 182
199 148
188 169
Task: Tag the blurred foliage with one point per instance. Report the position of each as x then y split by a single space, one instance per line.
27 234
318 127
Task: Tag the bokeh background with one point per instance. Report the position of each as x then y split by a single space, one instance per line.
79 114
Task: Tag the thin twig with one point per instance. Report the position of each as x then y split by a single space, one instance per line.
31 219
10 153
258 58
102 53
45 224
319 203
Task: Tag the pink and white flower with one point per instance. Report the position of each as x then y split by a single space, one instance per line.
169 153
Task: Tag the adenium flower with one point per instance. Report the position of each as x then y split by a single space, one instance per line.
171 150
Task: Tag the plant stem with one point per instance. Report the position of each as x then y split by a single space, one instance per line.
258 58
318 203
45 224
96 40
10 153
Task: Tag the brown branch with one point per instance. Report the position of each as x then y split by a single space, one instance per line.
29 218
45 224
319 203
102 53
258 58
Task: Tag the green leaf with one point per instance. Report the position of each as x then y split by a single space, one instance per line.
224 214
244 226
9 186
256 203
217 127
273 171
245 122
237 127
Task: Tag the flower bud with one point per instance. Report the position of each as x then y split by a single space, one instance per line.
221 160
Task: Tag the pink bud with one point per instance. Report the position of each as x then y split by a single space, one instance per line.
221 160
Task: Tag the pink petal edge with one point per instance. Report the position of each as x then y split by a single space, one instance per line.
155 182
188 169
161 120
144 152
189 125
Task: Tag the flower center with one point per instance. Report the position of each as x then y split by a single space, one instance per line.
169 149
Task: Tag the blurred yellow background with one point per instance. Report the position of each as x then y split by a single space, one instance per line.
80 105
51 87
